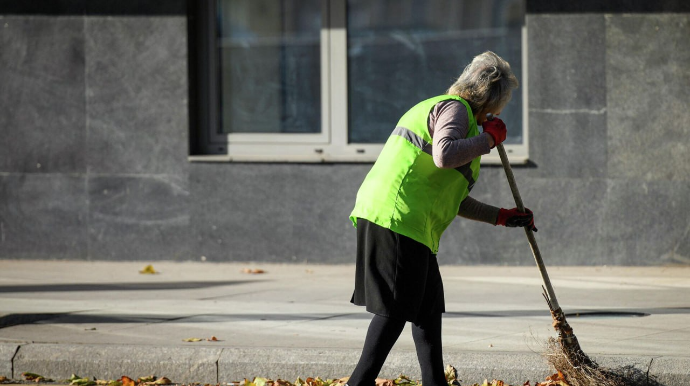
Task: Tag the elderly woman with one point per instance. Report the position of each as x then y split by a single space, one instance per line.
419 183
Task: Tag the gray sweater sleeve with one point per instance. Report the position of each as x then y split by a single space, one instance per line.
448 126
478 211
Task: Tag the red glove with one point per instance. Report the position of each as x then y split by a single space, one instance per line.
514 218
496 129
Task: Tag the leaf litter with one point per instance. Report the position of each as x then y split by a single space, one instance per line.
211 339
402 380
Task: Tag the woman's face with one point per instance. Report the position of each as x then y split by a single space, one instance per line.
481 117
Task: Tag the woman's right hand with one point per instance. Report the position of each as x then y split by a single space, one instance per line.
515 218
496 129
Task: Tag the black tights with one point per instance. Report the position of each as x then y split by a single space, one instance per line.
381 336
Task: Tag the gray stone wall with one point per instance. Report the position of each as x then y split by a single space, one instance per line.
94 139
609 137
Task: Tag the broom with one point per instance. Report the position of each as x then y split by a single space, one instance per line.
564 354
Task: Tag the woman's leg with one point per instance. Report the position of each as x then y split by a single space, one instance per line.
381 336
427 340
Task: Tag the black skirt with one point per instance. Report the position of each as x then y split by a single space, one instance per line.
396 276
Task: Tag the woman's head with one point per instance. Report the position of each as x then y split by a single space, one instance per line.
486 84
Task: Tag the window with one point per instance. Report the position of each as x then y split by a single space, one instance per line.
327 80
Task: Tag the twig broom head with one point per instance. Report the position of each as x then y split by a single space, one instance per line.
577 368
566 356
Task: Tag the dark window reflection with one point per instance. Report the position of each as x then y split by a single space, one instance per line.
270 66
403 51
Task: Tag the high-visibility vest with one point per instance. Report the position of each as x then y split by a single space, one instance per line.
405 191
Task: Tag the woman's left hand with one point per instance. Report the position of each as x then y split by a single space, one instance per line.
515 218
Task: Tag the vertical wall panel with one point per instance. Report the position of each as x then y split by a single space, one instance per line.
139 217
42 117
648 82
42 216
136 73
567 95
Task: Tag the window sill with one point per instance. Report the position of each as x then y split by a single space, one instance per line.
517 156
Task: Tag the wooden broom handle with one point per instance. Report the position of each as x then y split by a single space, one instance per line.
530 235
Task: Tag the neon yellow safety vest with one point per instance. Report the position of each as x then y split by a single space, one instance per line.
405 191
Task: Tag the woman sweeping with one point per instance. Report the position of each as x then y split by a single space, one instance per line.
419 183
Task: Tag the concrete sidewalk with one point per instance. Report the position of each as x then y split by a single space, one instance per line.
106 320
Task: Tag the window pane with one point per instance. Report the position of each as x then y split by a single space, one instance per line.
270 66
401 52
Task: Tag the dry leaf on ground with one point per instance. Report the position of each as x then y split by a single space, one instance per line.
384 382
253 271
160 381
35 377
148 270
127 381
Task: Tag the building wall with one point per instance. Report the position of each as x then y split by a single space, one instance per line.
94 133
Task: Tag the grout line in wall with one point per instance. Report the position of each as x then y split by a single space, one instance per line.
86 141
570 111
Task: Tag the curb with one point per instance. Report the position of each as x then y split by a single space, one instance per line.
60 361
220 365
7 352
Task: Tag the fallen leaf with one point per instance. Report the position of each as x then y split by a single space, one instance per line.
150 378
404 380
341 381
313 381
71 378
127 381
192 340
557 379
148 270
78 381
259 381
161 381
35 377
384 382
31 376
212 339
253 271
451 375
3 378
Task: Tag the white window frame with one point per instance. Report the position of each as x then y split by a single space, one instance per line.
331 145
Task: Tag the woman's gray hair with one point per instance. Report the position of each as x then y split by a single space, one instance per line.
486 84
